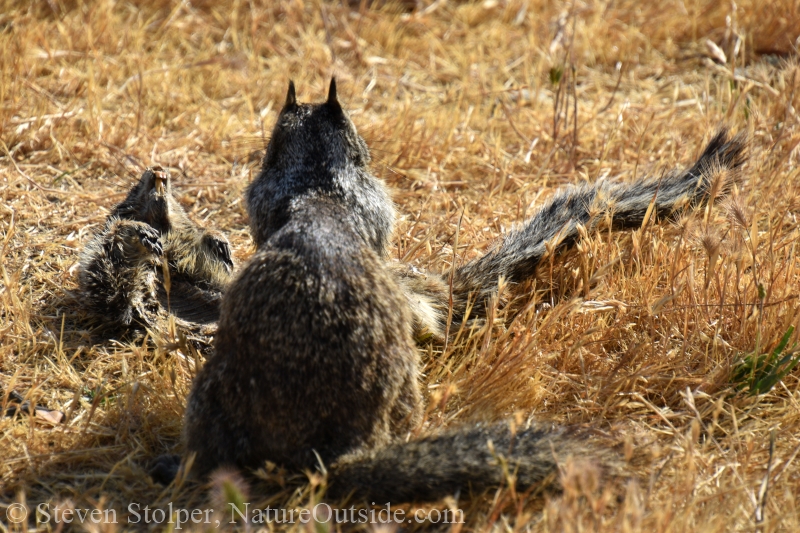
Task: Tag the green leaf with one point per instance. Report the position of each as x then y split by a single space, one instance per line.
233 496
760 373
555 75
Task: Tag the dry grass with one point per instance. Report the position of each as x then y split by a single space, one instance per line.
633 334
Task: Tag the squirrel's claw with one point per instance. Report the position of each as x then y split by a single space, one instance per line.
219 246
149 238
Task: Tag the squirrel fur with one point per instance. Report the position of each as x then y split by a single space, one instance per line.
315 362
120 281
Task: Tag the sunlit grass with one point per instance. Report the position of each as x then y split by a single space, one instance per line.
475 112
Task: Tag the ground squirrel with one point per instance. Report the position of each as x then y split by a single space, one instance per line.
314 359
119 278
313 353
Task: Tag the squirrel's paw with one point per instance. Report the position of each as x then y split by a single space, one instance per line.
164 468
149 238
132 240
219 247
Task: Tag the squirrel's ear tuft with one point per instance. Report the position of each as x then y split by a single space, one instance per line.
332 93
291 97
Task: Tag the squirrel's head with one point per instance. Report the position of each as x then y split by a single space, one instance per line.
150 201
318 137
315 151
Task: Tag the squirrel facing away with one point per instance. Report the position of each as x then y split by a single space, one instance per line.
314 358
119 278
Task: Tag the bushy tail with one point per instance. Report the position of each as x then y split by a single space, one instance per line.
469 459
520 251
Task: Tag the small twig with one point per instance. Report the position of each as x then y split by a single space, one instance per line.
42 92
641 143
452 275
613 93
573 74
655 410
762 491
511 123
9 234
790 460
737 77
30 180
328 37
140 76
574 108
696 306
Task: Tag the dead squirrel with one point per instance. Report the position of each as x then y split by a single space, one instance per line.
314 359
119 278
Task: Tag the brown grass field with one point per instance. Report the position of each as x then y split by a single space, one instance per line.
475 113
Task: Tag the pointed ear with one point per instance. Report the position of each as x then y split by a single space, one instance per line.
291 97
332 93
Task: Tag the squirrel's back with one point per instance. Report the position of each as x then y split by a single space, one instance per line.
314 357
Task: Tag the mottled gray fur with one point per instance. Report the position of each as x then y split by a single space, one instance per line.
149 225
518 253
117 276
316 149
314 357
473 458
